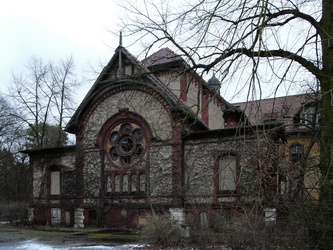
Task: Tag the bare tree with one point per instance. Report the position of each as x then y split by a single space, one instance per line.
10 126
43 96
272 43
13 165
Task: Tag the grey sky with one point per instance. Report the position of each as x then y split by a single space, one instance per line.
54 30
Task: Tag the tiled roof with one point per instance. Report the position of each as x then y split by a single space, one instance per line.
279 109
163 56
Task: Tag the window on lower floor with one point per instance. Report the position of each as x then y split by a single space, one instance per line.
227 181
204 219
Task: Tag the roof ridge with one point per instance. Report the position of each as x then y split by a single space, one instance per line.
272 98
162 56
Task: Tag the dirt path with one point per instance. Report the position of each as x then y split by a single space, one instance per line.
65 238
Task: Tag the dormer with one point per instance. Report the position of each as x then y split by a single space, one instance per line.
307 116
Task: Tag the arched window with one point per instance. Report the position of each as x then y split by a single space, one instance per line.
296 153
125 138
227 174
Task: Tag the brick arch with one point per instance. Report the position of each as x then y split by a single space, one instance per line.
123 117
118 87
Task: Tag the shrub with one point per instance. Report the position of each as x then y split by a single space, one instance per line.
162 227
13 212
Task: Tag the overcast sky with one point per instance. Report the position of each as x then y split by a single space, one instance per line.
55 30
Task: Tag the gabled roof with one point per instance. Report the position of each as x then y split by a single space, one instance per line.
161 57
279 109
165 57
112 74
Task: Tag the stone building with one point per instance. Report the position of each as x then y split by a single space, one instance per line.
151 135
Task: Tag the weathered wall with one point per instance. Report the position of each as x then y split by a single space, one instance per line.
200 161
194 97
172 80
41 165
311 171
160 169
156 164
216 120
135 101
92 174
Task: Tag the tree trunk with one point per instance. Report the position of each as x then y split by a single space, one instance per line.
326 121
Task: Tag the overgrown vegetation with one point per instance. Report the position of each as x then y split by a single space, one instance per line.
163 228
14 212
245 231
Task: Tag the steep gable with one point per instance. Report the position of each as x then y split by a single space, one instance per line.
124 69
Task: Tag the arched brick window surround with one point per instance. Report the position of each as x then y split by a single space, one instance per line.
114 125
229 155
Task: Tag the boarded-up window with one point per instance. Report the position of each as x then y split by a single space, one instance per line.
227 174
55 216
55 183
204 219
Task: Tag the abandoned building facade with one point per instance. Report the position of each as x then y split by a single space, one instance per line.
153 137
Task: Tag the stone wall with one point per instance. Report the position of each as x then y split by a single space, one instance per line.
135 101
201 158
41 166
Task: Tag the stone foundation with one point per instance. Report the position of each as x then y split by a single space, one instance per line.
79 218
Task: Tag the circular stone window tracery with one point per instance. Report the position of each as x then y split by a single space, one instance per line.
126 144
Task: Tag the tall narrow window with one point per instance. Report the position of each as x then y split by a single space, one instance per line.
109 184
204 219
55 182
227 174
117 183
142 183
125 183
133 183
296 153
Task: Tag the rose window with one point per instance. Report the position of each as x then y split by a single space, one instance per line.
126 144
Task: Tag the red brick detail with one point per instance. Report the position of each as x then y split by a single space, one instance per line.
216 172
205 107
183 87
121 118
31 175
177 161
124 86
